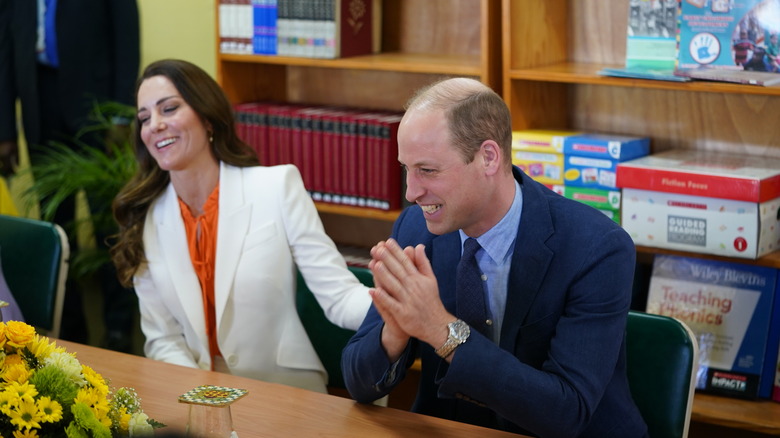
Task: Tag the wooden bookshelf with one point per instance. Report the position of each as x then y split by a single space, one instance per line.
421 41
552 52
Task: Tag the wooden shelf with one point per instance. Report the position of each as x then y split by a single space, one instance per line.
587 73
771 260
358 212
429 63
761 416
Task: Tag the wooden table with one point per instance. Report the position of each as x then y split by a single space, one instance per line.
268 410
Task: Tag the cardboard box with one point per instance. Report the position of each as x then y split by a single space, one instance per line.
607 146
547 168
548 141
702 173
734 310
699 224
606 201
597 173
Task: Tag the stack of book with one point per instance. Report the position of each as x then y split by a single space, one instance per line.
734 310
578 165
702 201
590 168
301 28
346 156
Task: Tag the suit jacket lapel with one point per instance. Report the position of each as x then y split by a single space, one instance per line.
173 248
530 260
445 253
234 216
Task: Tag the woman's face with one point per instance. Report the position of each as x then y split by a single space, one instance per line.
174 134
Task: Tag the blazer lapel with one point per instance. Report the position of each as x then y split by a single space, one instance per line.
174 249
530 260
445 253
234 217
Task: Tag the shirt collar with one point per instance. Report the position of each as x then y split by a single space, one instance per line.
494 241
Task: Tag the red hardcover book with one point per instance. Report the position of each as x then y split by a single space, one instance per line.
295 148
349 30
331 146
251 124
390 171
303 153
313 154
367 157
242 114
704 173
348 157
279 119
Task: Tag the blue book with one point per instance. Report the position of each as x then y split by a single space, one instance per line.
607 146
732 309
264 17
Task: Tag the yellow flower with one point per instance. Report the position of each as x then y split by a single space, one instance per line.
24 391
124 419
51 411
12 359
40 347
26 433
26 415
16 373
94 379
87 396
18 333
8 400
2 334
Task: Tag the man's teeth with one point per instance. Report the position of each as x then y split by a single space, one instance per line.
165 142
430 208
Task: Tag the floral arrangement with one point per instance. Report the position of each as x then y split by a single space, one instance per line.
46 392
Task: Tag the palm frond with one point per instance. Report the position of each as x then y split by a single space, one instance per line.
100 172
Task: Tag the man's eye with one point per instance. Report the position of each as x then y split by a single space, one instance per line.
426 171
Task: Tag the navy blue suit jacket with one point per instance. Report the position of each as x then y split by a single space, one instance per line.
560 369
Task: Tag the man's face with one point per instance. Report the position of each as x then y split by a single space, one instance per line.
449 191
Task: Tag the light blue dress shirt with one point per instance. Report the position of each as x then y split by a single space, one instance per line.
495 259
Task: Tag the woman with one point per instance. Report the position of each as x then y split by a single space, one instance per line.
211 241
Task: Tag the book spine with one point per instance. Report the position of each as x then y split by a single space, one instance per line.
354 34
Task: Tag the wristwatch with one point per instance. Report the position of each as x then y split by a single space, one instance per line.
459 332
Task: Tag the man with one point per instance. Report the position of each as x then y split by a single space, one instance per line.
549 360
60 58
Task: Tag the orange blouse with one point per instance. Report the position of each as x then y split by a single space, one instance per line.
202 243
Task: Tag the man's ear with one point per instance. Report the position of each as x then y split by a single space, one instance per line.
491 156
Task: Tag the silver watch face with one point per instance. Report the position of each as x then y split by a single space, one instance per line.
459 330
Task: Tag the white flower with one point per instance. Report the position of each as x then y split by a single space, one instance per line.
139 425
68 364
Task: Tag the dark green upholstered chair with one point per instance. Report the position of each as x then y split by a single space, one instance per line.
663 358
34 257
328 339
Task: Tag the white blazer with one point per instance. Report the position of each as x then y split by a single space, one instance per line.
267 226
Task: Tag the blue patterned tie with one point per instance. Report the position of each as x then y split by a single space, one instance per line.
470 289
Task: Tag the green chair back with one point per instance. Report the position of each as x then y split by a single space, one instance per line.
662 356
328 339
34 258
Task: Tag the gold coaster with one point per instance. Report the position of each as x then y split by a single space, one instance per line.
212 395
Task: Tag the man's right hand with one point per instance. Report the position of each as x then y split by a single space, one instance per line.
9 157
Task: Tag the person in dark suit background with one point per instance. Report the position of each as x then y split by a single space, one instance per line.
547 356
60 58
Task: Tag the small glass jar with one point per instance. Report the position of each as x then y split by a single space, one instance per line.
209 415
210 422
